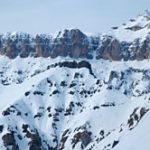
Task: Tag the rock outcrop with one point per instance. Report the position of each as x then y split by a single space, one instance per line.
75 44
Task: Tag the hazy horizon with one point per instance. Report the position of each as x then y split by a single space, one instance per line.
50 16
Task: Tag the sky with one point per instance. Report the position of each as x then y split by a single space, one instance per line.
50 16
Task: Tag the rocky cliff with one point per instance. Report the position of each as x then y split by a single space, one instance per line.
130 41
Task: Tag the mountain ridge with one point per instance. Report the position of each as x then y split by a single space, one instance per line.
76 92
130 41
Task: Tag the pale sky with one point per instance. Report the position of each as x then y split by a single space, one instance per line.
49 16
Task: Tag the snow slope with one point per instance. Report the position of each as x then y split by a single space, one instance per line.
138 138
137 27
48 106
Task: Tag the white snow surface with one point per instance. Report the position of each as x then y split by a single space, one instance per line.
137 139
118 92
123 32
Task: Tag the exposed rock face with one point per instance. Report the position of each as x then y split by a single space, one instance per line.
129 41
110 49
73 43
9 140
83 137
74 65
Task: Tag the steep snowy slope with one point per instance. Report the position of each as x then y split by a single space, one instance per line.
135 28
139 138
71 104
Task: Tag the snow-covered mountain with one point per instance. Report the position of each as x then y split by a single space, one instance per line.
68 92
130 41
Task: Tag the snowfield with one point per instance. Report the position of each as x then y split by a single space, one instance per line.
48 106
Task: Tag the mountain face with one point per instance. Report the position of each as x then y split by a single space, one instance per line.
130 41
76 92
